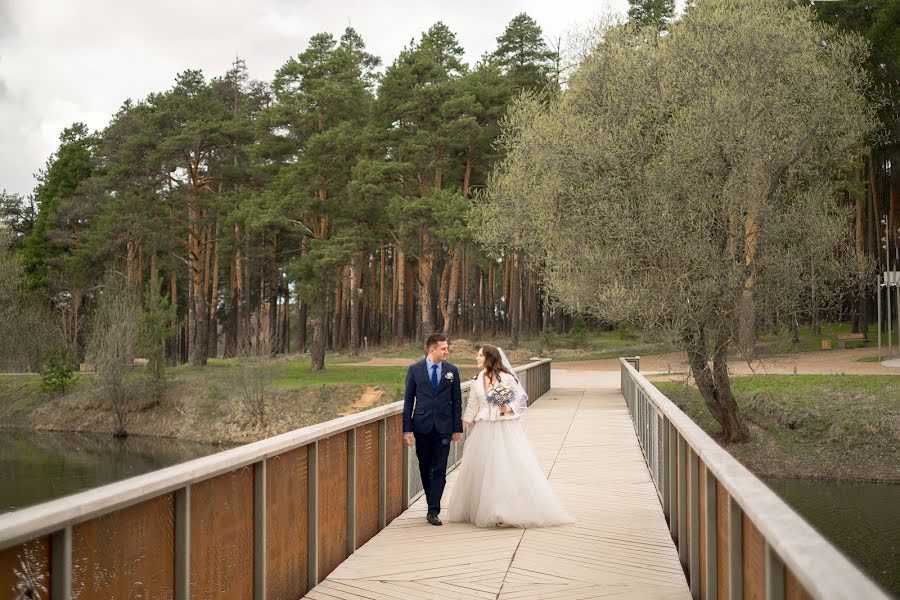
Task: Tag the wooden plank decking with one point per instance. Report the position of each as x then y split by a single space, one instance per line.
618 548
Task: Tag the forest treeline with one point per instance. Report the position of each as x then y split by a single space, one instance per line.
329 208
325 209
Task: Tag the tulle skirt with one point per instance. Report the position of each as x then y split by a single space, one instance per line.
501 483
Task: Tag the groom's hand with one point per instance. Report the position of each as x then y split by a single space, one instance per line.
456 436
408 438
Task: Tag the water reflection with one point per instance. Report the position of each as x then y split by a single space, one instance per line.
861 519
39 466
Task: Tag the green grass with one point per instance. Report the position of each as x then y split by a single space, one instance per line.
594 345
780 343
843 427
297 374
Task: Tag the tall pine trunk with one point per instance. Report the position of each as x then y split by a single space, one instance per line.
214 295
317 350
354 306
449 312
400 310
198 347
426 273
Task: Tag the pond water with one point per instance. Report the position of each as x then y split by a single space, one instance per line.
38 466
861 519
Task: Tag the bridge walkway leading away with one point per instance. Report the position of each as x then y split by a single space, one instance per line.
619 547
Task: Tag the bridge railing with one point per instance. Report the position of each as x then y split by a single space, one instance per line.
736 538
268 519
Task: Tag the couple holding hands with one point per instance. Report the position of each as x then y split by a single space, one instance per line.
500 481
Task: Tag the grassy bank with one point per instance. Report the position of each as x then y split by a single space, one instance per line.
843 427
208 404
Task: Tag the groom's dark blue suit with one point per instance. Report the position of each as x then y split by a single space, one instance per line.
433 416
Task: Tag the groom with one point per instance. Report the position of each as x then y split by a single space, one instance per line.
433 387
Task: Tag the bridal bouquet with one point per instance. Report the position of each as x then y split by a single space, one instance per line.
500 395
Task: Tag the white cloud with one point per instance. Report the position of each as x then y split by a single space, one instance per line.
62 62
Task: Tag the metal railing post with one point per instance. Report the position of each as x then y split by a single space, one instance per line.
774 575
312 516
673 481
382 474
406 458
735 551
351 492
61 564
694 564
711 527
666 491
260 571
183 543
682 503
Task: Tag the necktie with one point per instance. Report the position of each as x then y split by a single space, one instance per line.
434 379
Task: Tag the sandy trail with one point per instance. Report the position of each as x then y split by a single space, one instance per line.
807 363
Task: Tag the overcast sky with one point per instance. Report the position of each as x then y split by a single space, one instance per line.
63 61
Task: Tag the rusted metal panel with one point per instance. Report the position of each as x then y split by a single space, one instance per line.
394 467
754 564
129 553
366 483
222 536
26 567
287 478
332 503
722 540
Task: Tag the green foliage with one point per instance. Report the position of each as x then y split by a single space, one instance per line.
57 189
523 55
876 21
626 332
156 330
651 13
59 371
578 332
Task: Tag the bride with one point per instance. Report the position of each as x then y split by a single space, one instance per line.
500 481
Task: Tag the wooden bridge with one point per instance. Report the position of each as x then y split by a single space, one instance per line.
335 511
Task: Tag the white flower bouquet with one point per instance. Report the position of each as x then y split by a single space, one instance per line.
500 395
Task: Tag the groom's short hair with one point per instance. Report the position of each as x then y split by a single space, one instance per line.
433 339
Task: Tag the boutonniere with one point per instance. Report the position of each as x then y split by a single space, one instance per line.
449 376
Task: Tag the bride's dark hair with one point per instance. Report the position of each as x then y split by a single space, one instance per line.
493 364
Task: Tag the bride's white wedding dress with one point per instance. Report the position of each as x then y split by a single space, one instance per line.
500 481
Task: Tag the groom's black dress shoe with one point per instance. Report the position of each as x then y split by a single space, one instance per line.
433 519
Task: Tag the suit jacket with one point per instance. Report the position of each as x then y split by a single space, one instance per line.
424 409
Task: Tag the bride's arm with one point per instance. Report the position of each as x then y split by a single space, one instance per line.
473 400
513 384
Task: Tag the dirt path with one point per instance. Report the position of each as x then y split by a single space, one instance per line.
369 397
820 362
